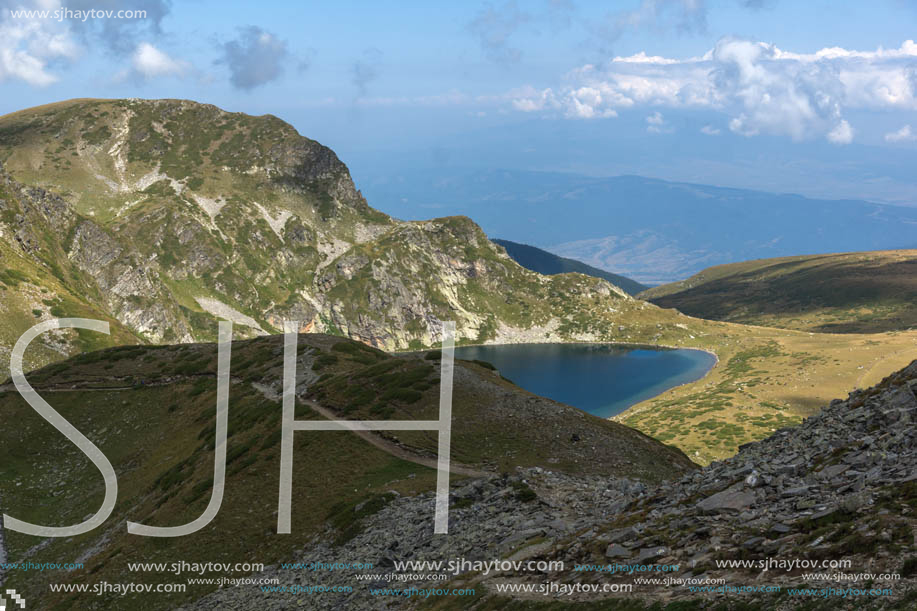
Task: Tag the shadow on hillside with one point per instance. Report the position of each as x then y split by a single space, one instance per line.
798 287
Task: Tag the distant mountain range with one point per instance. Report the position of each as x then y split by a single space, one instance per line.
547 263
650 230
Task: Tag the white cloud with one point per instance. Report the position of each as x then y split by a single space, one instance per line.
841 134
758 86
31 46
905 134
28 46
643 58
710 130
655 123
256 57
149 62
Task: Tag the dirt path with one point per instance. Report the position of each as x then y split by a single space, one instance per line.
879 361
396 450
389 447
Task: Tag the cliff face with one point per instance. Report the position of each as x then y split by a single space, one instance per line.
53 263
168 214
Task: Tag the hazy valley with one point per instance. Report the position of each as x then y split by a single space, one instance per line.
653 231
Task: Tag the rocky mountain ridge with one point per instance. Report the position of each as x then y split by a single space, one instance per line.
170 214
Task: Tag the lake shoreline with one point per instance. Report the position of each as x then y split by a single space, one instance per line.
716 362
716 358
578 374
632 345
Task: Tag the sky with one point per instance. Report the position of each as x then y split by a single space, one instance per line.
816 97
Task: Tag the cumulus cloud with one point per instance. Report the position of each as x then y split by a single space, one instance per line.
655 123
758 86
254 58
841 134
905 134
29 46
149 62
493 26
795 98
709 130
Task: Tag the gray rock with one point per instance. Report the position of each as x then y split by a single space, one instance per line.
617 551
832 471
780 529
727 500
649 554
753 543
622 534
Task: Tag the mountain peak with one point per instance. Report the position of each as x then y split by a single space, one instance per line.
101 151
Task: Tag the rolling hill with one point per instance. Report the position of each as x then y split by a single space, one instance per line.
549 264
863 292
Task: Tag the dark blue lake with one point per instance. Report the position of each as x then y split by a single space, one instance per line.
601 379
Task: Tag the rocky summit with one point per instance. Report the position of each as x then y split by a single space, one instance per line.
841 487
167 215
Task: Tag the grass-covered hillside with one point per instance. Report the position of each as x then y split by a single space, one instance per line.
151 410
862 292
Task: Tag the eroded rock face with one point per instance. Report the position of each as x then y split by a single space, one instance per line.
842 485
117 278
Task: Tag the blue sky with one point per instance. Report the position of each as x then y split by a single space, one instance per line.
730 92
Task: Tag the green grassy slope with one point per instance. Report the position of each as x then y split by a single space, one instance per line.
547 263
864 292
151 411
